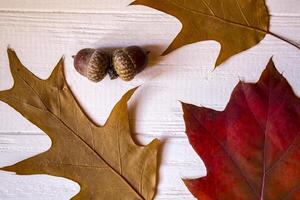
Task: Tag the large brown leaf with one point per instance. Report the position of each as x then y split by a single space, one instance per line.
103 160
236 24
251 149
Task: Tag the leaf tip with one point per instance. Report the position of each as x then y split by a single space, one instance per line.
181 102
270 73
132 3
166 52
185 107
177 43
11 52
220 60
155 143
215 67
57 76
192 186
271 62
271 69
9 48
187 110
187 182
14 62
8 169
136 2
129 94
120 109
62 59
60 63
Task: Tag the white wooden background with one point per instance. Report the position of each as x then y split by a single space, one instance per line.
41 31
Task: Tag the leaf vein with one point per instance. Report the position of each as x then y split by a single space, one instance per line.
80 138
242 13
291 145
229 155
196 12
209 8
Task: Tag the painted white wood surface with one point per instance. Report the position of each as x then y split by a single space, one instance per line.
42 31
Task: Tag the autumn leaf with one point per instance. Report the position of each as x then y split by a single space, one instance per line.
103 160
251 149
237 25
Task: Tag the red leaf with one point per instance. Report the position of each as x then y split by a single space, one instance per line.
251 149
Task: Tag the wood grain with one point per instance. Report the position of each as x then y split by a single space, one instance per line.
42 31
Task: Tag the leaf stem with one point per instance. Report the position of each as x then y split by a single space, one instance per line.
283 39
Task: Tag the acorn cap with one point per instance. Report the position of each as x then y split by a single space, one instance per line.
129 61
96 68
138 56
92 63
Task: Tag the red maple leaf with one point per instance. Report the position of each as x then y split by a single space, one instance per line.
251 149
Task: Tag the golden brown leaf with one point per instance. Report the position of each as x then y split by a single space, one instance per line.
236 24
103 160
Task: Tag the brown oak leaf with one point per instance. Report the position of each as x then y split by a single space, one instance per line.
104 160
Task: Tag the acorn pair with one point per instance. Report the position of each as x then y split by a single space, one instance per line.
124 63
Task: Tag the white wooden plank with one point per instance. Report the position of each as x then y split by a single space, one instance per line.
67 5
38 187
276 7
187 74
180 161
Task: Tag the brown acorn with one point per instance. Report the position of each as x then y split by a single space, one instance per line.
92 63
129 61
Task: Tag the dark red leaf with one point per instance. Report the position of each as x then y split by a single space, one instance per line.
251 149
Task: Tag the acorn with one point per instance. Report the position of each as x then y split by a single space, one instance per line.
129 61
92 63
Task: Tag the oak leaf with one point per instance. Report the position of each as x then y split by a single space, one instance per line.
236 24
251 149
103 160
